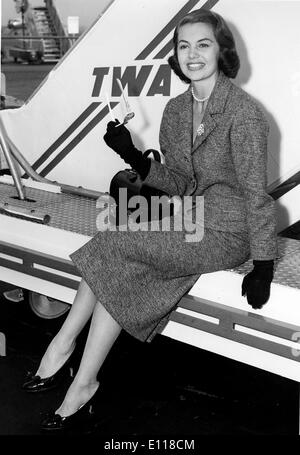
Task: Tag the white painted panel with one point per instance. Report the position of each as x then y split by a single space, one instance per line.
224 287
43 287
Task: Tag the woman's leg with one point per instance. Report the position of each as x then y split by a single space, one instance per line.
103 332
62 344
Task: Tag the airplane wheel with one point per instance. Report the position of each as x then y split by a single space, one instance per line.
46 307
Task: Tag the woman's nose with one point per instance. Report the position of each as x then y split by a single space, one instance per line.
193 52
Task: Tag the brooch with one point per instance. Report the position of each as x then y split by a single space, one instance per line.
200 129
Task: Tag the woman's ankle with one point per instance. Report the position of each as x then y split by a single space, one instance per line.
77 396
55 357
90 386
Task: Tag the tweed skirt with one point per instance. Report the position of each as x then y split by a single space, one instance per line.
139 277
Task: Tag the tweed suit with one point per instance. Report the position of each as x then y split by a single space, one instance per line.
227 164
140 276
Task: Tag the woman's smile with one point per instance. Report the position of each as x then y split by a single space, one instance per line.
195 66
198 53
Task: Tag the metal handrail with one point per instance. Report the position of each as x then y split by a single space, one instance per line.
12 167
59 28
17 155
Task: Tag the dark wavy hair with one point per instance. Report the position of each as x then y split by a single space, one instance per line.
229 61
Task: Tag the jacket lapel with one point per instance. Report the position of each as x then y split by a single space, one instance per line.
215 107
185 125
209 125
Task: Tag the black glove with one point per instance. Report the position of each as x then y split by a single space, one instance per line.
118 138
256 284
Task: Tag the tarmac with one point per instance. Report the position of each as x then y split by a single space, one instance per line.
158 389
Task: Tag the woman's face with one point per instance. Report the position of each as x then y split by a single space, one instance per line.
198 51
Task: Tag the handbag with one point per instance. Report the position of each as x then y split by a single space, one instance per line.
131 180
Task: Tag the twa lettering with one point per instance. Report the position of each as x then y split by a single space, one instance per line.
134 79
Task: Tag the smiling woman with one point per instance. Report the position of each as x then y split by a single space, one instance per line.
198 54
214 140
203 46
217 33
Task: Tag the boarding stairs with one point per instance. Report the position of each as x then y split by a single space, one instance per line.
45 27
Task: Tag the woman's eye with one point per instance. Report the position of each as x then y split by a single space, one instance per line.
182 46
201 45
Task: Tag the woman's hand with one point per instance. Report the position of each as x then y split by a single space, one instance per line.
118 138
256 284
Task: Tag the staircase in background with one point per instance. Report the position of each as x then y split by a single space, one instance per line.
45 27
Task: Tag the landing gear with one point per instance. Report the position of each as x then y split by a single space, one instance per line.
42 306
46 307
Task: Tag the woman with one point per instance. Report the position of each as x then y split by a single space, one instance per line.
214 139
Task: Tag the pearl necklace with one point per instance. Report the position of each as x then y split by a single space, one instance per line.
200 129
199 100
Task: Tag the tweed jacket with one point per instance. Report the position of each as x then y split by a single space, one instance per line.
227 164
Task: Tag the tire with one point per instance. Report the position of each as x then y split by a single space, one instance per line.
45 307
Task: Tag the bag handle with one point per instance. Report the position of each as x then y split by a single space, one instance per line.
156 154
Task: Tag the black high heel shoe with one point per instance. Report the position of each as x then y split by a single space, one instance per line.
34 383
84 419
